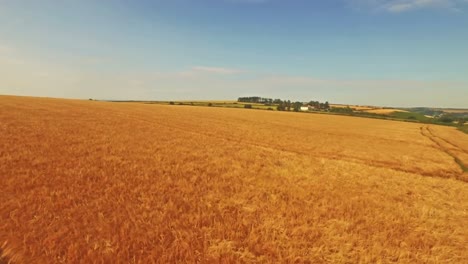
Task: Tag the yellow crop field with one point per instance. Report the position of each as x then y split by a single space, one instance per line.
354 107
101 182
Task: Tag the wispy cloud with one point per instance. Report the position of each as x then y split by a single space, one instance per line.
400 6
201 82
215 70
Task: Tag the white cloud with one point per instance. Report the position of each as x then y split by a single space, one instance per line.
407 5
399 6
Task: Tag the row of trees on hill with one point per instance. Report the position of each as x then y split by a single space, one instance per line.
256 99
288 105
319 105
285 105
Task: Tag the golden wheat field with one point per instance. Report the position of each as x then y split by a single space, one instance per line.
99 182
354 107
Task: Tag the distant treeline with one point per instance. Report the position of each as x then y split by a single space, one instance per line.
285 105
439 116
257 100
426 111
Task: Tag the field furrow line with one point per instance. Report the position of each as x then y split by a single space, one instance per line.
446 141
425 131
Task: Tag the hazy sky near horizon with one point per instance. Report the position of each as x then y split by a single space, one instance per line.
370 52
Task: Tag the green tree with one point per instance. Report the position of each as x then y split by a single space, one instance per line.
446 119
281 106
341 109
297 106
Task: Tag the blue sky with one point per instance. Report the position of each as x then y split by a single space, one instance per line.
370 52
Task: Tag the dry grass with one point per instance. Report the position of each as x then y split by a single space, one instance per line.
137 183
